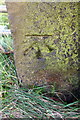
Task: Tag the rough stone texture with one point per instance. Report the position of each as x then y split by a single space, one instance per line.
46 42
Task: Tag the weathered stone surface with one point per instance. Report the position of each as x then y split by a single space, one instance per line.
46 42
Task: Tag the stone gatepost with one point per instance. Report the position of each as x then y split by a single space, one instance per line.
45 42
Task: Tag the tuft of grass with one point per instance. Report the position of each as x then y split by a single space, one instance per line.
31 105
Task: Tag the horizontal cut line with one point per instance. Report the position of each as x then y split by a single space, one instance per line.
39 35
